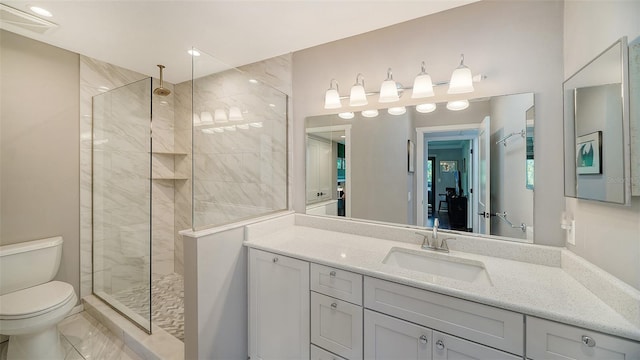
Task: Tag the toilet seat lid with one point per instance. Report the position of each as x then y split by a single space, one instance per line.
35 300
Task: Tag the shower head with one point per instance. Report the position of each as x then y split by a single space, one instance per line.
161 91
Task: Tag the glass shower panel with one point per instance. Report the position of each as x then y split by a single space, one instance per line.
239 145
122 200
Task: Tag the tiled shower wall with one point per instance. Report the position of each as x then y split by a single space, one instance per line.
236 176
97 78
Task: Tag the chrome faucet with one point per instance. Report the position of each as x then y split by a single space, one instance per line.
433 244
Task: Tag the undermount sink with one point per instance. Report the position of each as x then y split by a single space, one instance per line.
448 266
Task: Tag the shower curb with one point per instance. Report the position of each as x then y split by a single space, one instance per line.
159 345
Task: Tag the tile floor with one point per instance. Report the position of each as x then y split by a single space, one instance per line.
84 338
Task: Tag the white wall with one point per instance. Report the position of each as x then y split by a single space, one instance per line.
518 45
606 235
40 147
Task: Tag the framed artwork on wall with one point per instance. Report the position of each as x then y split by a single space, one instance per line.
448 166
589 154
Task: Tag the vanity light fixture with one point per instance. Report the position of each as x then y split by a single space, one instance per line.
389 89
346 115
370 113
235 114
196 120
220 116
458 105
461 79
206 118
422 85
332 97
426 108
400 110
358 97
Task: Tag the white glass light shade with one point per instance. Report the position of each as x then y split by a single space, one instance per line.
458 105
346 115
220 116
422 87
358 97
235 114
370 113
332 99
397 110
426 108
206 118
388 92
461 79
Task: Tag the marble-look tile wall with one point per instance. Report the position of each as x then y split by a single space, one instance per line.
127 233
240 167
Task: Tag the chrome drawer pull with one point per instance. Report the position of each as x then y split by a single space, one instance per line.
275 259
332 274
423 339
440 345
588 341
334 305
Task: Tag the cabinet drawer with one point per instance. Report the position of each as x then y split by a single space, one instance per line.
322 354
390 338
336 325
501 329
551 340
337 283
450 347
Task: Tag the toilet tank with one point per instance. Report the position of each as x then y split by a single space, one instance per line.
29 263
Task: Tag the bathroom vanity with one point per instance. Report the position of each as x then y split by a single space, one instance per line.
340 289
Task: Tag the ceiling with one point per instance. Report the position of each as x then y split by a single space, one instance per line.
137 35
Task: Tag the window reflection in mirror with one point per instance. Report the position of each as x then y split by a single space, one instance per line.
450 169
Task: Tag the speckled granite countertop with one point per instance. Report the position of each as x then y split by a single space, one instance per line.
538 290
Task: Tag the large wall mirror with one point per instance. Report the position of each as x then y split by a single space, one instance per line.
473 169
596 129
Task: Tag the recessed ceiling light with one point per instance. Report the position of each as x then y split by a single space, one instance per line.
253 81
397 110
457 105
346 115
193 52
370 113
40 11
425 108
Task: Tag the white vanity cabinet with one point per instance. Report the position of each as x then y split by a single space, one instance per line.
278 307
386 337
551 340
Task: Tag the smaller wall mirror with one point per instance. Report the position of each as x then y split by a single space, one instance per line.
596 129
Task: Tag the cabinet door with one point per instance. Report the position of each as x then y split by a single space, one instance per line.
336 325
319 169
390 338
551 340
278 307
322 354
450 347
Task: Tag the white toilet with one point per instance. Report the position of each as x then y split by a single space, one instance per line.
31 305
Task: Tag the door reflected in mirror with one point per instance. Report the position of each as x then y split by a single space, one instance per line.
474 168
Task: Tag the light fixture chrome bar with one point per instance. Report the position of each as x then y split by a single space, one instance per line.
503 140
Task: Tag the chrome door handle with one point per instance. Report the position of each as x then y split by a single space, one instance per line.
440 345
423 339
587 340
